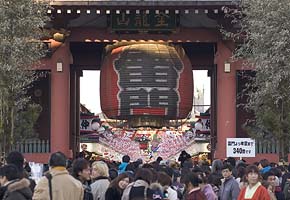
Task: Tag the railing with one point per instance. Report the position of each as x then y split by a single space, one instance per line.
33 146
267 146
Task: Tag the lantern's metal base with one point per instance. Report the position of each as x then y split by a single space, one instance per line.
147 121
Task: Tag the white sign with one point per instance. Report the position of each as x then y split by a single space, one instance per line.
89 124
241 147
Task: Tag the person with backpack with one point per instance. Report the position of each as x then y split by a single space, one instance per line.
82 172
140 188
58 184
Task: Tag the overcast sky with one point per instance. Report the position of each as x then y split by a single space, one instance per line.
90 88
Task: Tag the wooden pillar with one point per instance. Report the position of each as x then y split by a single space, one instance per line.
226 99
75 109
60 100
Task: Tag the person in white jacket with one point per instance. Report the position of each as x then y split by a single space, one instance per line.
165 181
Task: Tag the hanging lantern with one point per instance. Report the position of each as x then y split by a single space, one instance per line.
146 84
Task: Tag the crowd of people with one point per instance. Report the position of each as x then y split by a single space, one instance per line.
184 179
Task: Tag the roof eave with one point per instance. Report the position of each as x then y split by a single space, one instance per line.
144 3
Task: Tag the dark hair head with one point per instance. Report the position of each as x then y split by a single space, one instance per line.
252 168
115 183
202 177
164 179
78 166
231 161
227 166
148 166
113 173
264 163
17 159
169 171
217 166
267 174
276 171
10 171
159 159
144 174
126 159
193 179
131 167
214 179
57 159
241 171
281 168
273 164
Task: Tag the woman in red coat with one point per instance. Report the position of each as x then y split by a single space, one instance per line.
254 190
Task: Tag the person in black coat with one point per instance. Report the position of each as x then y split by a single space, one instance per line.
12 187
183 157
16 158
117 186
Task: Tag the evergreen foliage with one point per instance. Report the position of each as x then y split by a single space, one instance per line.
21 27
262 32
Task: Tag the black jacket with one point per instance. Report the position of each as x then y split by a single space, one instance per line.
113 194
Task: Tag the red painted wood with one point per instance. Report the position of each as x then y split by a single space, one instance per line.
226 100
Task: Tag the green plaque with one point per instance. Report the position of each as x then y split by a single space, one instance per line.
144 21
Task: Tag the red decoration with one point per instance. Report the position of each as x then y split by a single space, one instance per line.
143 146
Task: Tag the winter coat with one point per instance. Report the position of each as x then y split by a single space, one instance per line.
18 190
230 189
99 187
122 167
260 194
172 194
88 195
136 190
209 193
196 194
64 186
113 194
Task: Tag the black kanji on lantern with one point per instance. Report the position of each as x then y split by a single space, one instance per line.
148 78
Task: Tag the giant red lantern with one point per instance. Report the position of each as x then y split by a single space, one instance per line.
146 81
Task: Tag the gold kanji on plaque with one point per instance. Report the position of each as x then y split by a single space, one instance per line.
123 20
161 20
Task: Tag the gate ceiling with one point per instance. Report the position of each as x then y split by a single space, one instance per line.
88 55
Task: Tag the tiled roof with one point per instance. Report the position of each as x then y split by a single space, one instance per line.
142 2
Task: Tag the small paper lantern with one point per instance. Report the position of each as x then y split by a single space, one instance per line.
198 126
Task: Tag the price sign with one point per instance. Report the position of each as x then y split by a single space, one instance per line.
241 147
